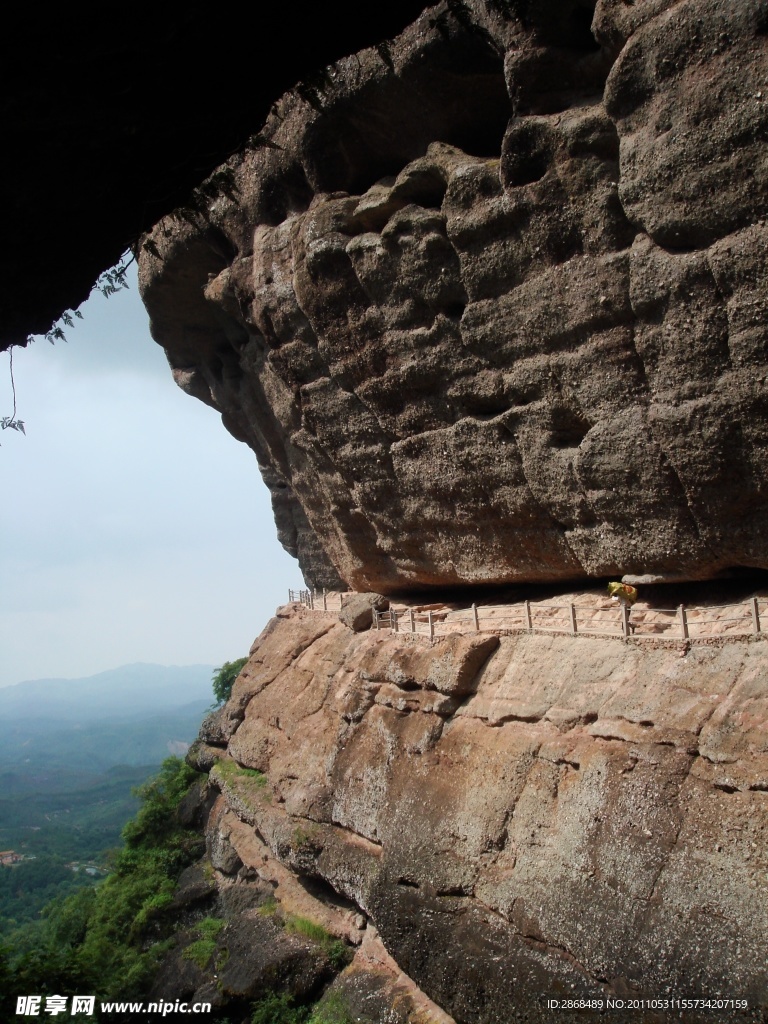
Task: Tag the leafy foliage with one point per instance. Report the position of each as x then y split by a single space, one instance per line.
27 887
74 817
9 422
210 927
332 1010
310 930
275 1008
108 940
231 769
224 678
279 1008
56 333
336 950
269 907
108 283
200 200
339 954
201 951
111 281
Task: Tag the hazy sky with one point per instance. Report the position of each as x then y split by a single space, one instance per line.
134 527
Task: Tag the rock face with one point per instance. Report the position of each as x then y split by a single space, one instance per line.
489 303
518 818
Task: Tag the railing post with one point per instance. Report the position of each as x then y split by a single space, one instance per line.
573 618
393 616
755 615
477 620
413 623
683 621
431 625
325 600
375 619
528 618
624 619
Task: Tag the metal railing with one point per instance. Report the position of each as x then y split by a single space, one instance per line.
681 623
317 600
685 622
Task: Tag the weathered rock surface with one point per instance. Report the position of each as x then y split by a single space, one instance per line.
491 306
269 934
587 820
357 610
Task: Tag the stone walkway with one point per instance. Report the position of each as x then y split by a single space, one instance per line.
577 613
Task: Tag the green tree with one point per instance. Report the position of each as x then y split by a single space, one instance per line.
108 939
224 678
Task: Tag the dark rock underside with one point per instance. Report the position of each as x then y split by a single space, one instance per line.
110 118
490 307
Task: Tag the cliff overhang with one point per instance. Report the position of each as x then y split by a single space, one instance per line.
488 303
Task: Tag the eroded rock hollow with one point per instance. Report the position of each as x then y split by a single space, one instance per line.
488 301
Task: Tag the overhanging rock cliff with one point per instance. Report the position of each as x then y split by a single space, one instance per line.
489 301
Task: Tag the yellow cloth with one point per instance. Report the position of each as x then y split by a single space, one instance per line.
623 592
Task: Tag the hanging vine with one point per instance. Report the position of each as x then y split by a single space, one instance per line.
108 283
11 421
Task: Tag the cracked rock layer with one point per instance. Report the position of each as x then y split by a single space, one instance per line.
510 828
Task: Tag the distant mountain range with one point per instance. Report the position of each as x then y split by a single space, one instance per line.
72 749
132 715
129 689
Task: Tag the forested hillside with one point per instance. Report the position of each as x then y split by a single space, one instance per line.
73 752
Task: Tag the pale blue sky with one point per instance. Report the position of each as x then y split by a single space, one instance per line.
134 527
